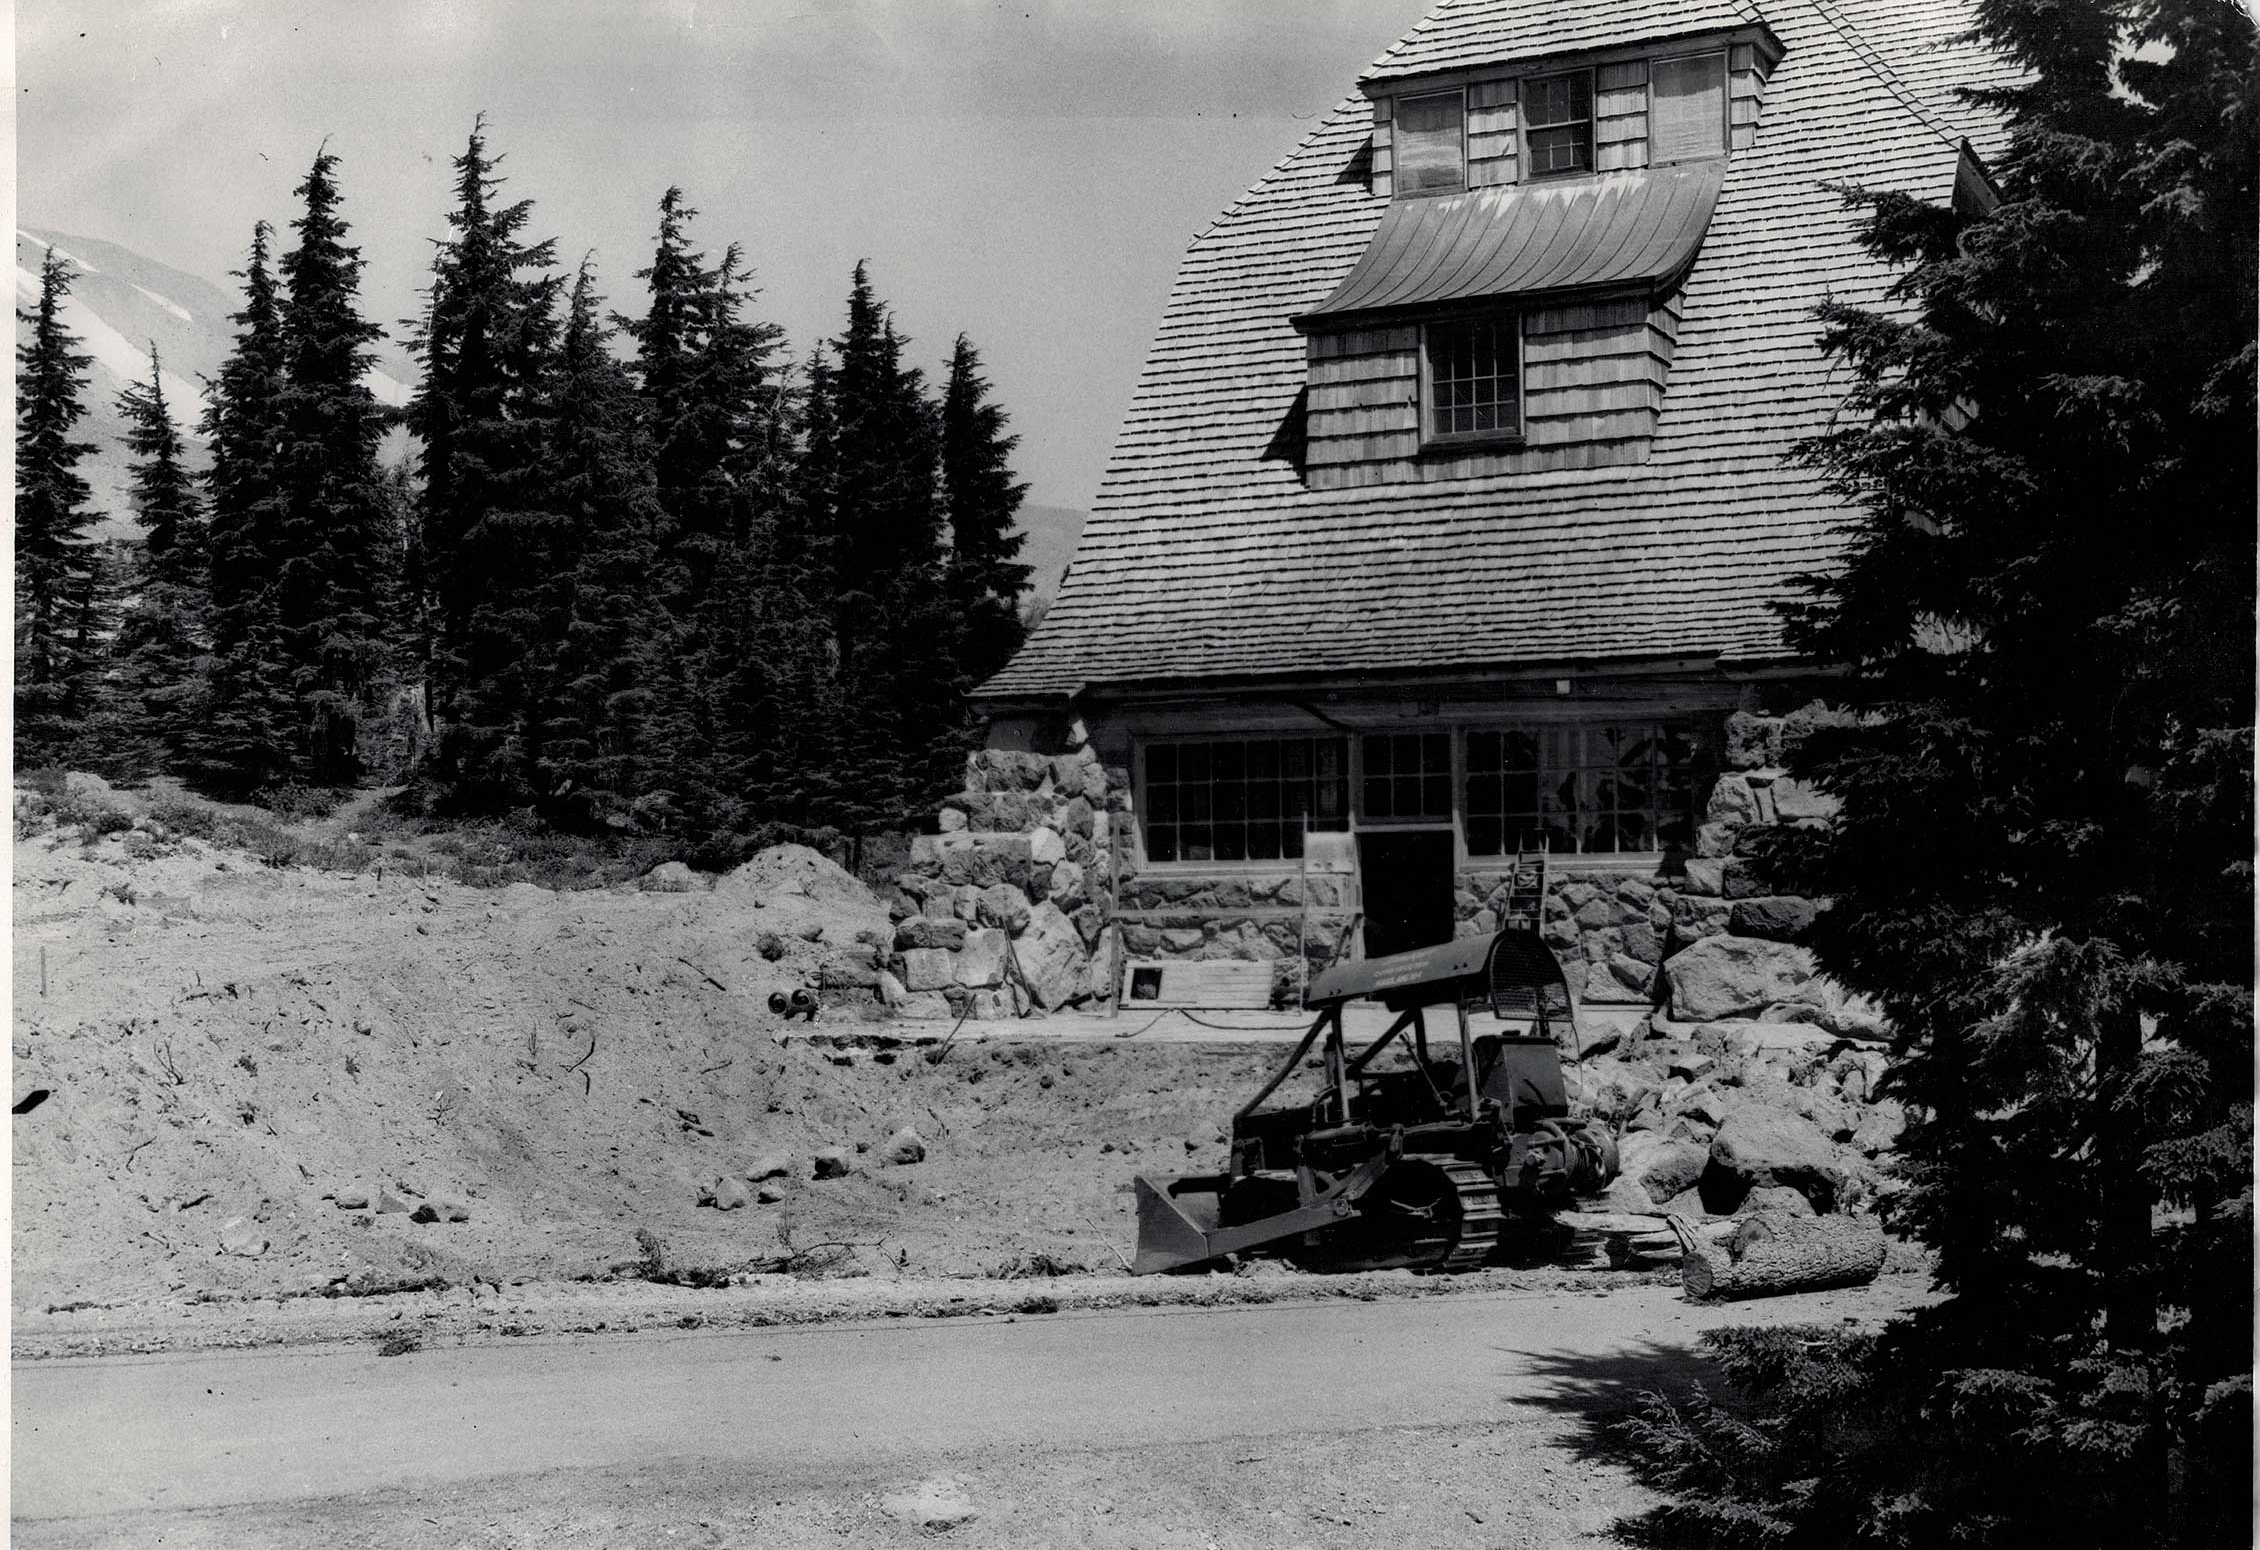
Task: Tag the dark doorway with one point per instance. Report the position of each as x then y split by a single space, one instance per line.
1407 878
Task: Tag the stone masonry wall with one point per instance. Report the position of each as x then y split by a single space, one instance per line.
1007 906
1021 870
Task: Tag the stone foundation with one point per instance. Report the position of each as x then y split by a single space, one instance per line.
1010 904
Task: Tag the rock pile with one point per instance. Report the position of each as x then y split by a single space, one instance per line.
1724 1118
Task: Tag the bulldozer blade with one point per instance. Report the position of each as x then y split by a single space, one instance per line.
1168 1238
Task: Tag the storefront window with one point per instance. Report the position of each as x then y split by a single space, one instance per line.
1242 799
1593 790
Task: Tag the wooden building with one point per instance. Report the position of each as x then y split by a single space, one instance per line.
1455 502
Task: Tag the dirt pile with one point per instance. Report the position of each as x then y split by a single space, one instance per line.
273 1079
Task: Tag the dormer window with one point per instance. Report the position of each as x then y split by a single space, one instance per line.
1557 113
1431 143
1473 372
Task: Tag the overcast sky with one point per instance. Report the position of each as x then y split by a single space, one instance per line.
1028 173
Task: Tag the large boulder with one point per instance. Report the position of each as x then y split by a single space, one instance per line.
1760 1145
1784 918
922 931
1734 976
980 965
905 1146
928 968
1671 1169
1051 957
1003 906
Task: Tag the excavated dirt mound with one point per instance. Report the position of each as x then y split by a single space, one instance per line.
259 1076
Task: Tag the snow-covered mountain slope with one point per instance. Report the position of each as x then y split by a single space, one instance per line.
120 303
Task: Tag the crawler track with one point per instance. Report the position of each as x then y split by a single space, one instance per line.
1425 1214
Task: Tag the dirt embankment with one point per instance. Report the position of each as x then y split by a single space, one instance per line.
258 1074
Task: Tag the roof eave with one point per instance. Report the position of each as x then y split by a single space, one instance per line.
1329 322
1734 668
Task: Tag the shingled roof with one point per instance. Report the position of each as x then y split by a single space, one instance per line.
1205 557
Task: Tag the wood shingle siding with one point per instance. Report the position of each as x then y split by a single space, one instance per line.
1384 149
1207 556
1620 116
1494 144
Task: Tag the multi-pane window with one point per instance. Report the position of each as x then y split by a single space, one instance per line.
1408 775
1557 116
1427 144
1474 386
1591 790
1242 799
1686 108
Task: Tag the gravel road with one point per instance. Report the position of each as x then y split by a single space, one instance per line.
1447 1421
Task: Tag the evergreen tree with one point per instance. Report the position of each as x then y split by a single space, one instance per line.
983 499
161 635
685 441
713 402
719 419
58 581
2043 864
897 634
748 490
796 773
328 542
486 345
245 724
596 755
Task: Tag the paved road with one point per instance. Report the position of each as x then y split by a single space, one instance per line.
123 1434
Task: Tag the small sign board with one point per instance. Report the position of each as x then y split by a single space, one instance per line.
1222 984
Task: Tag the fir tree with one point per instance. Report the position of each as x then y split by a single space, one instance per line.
715 409
328 540
58 581
897 634
2043 862
596 755
983 499
795 773
245 725
485 345
161 635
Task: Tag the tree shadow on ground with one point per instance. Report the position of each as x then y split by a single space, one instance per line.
1595 1392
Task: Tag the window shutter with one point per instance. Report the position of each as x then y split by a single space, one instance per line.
1428 143
1687 108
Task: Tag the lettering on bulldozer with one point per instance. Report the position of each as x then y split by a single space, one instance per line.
1422 1163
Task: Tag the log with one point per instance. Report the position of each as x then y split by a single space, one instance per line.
1771 1254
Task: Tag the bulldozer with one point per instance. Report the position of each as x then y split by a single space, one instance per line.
1424 1162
